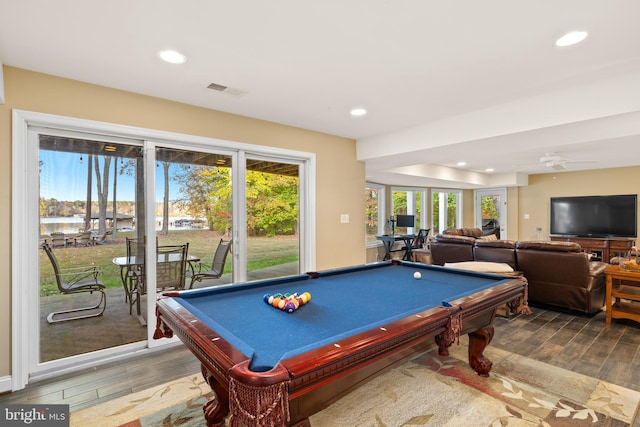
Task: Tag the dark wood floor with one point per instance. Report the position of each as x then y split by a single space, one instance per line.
583 344
579 343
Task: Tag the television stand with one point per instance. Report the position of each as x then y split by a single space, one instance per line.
601 249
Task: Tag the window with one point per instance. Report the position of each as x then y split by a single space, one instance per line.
446 209
409 202
374 212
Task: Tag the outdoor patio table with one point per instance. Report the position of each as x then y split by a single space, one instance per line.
134 284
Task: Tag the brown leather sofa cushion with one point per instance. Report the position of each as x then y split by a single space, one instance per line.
501 251
455 238
451 248
471 232
508 244
544 245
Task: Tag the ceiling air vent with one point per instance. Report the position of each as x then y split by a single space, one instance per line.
227 90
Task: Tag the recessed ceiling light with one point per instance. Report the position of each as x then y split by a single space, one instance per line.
489 170
461 163
571 38
172 56
358 112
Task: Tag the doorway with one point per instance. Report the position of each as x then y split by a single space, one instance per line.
491 211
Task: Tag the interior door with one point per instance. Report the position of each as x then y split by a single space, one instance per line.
491 210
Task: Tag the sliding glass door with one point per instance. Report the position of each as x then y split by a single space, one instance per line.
89 204
109 198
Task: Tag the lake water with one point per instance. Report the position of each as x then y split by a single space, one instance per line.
72 225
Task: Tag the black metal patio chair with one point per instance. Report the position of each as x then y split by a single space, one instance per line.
215 270
76 280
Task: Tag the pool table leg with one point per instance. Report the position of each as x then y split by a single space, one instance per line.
215 410
478 341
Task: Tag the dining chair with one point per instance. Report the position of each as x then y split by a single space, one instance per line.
417 243
76 280
171 267
134 285
216 269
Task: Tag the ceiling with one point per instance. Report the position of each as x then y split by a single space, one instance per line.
443 82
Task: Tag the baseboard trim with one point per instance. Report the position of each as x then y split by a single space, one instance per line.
5 384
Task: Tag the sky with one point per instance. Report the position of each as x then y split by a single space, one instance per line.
64 177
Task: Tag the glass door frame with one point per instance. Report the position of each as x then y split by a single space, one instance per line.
25 236
502 208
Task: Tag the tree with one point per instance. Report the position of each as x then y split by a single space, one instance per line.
271 199
165 201
272 203
87 211
206 193
102 184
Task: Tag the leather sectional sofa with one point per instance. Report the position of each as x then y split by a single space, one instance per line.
560 274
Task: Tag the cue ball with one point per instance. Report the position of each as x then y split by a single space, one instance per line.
417 275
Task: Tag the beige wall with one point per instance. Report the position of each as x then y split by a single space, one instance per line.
339 176
534 198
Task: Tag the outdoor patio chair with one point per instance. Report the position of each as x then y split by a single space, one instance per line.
58 239
76 280
99 239
215 270
83 238
171 267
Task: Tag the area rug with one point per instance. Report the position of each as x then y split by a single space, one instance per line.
427 391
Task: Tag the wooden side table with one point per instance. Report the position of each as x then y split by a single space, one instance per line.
623 299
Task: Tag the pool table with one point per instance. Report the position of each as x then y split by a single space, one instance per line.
270 367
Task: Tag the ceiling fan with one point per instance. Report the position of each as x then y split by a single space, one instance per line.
554 161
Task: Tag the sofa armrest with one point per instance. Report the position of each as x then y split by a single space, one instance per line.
597 268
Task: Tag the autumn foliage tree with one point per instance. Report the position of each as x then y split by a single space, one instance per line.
271 199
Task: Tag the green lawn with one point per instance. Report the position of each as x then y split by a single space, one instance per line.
261 252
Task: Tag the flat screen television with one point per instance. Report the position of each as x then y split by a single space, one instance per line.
405 220
595 216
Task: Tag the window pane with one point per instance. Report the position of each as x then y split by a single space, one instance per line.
444 206
372 210
408 202
272 204
193 193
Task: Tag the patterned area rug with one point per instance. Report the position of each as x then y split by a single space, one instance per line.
427 391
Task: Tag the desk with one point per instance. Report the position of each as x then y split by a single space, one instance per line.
618 292
133 282
389 239
360 321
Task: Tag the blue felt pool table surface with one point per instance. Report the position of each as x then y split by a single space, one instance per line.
343 303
